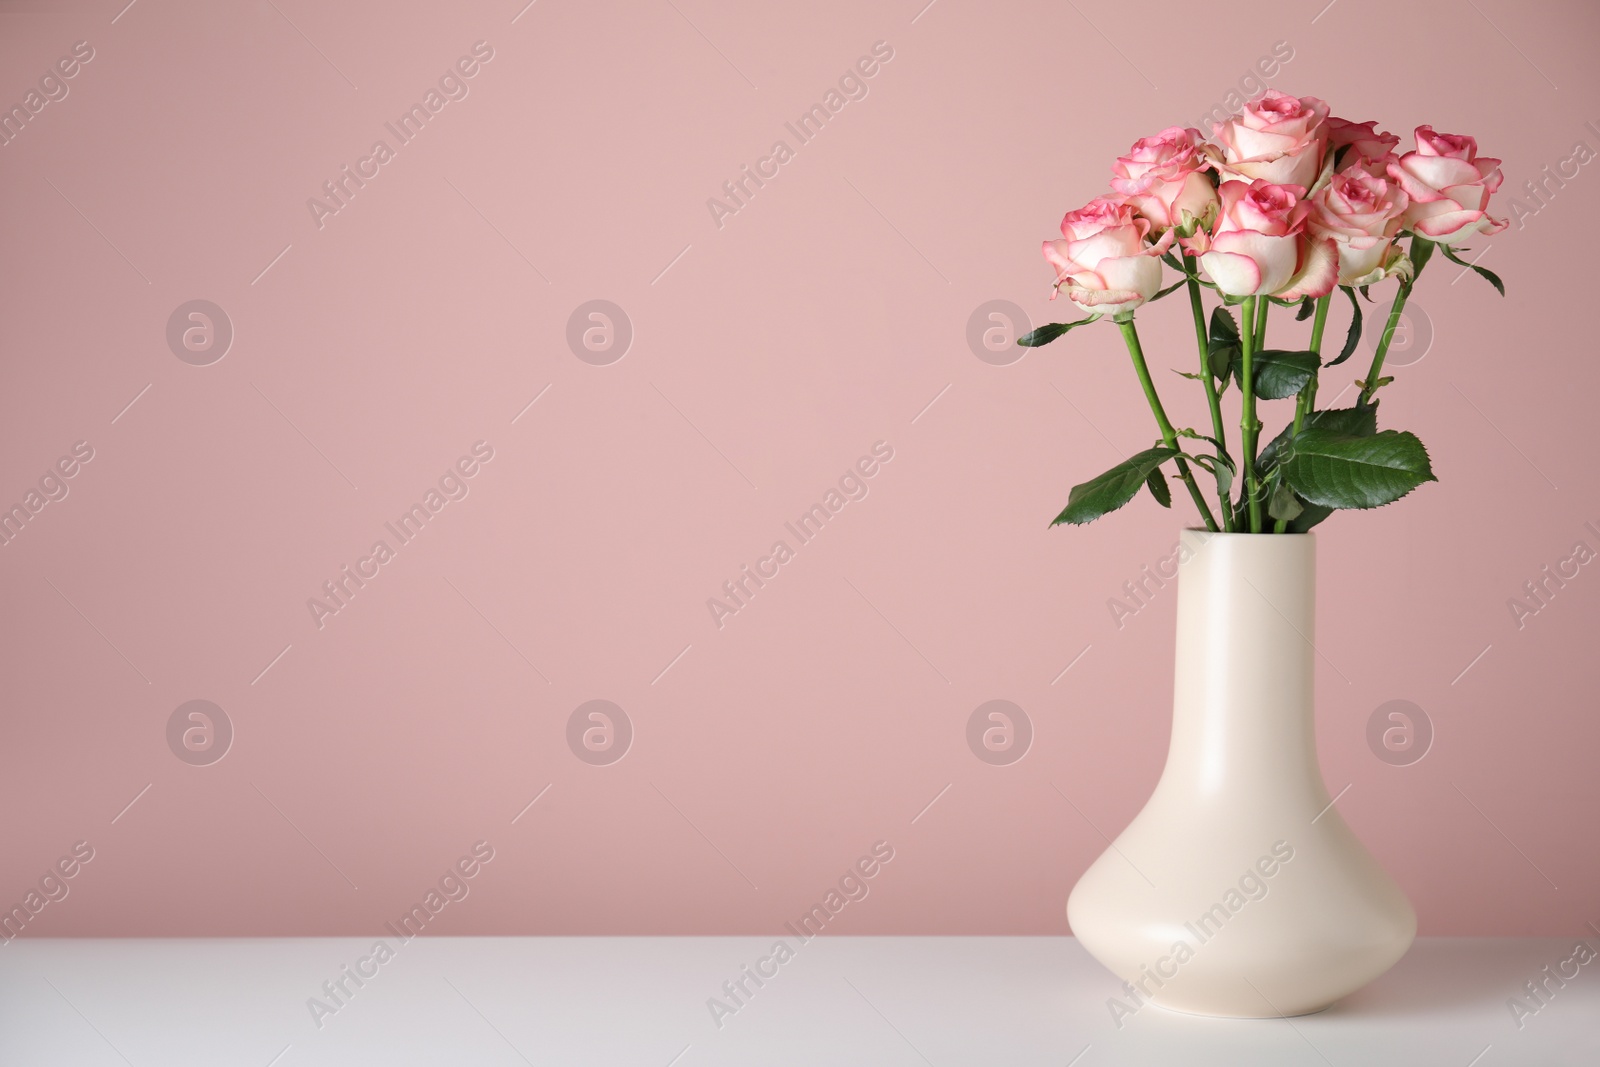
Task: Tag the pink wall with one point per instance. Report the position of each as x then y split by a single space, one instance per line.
768 354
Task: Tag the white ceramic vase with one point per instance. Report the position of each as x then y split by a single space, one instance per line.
1238 890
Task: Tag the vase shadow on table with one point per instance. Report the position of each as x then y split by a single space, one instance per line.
1447 975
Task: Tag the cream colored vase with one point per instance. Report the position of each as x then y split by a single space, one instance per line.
1239 891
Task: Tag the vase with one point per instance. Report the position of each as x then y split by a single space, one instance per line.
1238 890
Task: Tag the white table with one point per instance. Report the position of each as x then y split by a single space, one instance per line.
880 1001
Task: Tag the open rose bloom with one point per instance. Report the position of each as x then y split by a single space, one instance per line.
1361 214
1260 246
1449 186
1105 264
1163 178
1279 138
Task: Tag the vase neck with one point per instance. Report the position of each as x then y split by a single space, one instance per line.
1243 678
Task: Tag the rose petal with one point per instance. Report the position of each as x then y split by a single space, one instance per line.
1440 172
1275 258
1104 301
1141 274
1233 274
1318 274
1451 227
1358 260
1055 253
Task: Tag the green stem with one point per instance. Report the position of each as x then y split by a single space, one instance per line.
1400 296
1217 426
1168 435
1308 393
1249 425
1318 324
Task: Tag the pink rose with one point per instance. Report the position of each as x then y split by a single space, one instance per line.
1105 262
1449 187
1362 214
1369 149
1163 178
1259 247
1279 138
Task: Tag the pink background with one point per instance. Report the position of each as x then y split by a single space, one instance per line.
768 355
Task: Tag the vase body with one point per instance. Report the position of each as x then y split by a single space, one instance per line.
1239 890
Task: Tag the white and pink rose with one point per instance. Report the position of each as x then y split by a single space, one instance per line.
1164 179
1105 262
1449 186
1259 245
1362 214
1278 138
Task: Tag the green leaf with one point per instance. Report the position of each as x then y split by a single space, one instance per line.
1307 306
1359 421
1483 272
1352 336
1223 327
1310 515
1050 331
1224 473
1175 285
1421 252
1114 488
1159 487
1283 504
1345 471
1277 374
1191 432
1218 362
1222 346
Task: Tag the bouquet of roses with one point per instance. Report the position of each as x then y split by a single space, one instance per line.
1281 205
